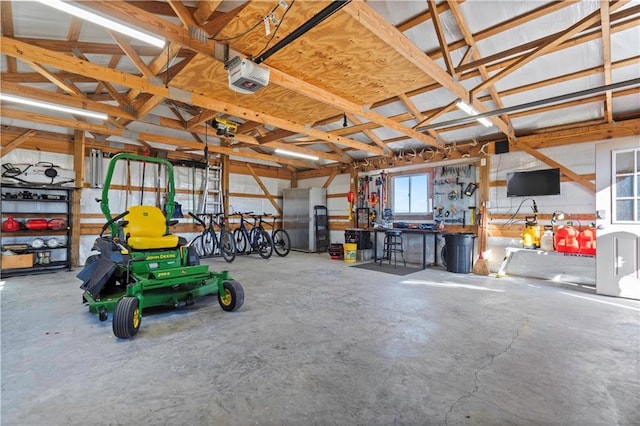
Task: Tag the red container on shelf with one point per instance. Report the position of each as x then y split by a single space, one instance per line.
587 241
566 239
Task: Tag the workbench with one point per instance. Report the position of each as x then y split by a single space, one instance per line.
412 231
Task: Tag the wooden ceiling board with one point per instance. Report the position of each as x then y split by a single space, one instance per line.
207 76
339 55
342 56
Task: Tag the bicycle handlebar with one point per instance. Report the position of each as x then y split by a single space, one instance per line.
198 219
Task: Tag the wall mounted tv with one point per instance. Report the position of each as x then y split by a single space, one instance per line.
533 183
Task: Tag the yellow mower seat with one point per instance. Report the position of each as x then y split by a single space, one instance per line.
146 229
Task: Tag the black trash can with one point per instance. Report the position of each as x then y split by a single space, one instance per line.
458 252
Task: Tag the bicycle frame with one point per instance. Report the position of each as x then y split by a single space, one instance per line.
255 239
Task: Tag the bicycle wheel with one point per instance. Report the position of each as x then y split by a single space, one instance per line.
208 242
281 242
197 245
227 246
240 239
262 243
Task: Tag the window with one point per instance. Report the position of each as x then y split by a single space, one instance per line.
626 185
411 194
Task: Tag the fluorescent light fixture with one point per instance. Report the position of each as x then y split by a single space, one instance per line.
471 111
55 107
104 22
296 154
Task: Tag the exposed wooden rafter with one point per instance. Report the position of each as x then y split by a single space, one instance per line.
363 13
546 47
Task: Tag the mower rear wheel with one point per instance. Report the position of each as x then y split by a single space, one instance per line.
233 296
126 318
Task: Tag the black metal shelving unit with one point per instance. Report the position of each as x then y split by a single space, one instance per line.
37 201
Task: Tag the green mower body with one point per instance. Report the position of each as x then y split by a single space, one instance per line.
141 265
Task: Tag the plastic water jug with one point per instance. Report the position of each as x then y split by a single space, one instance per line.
587 241
566 239
546 241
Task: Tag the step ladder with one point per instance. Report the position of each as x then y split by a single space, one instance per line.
211 200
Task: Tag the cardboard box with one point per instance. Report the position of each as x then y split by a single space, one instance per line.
15 261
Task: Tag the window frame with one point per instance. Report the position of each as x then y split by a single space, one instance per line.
428 174
635 190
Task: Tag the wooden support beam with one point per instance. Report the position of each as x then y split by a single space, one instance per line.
75 26
6 22
368 132
206 10
551 162
95 128
78 167
547 47
435 20
183 14
334 173
321 95
66 100
468 37
126 47
66 86
197 120
606 58
18 141
216 24
264 189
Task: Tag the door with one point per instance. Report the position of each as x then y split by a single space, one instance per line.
618 218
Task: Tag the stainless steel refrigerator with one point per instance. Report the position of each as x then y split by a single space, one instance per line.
298 216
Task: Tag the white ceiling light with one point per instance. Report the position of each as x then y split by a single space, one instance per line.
55 107
296 154
104 22
471 111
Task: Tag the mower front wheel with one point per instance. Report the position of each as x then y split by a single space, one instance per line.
103 314
126 318
233 296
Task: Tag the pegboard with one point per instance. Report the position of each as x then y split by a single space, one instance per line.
455 195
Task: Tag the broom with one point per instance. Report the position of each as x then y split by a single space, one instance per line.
480 267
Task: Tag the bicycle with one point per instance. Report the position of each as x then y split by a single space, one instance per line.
209 243
256 239
279 237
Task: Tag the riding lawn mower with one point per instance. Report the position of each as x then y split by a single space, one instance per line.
141 264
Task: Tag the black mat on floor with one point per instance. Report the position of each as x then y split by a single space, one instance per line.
386 268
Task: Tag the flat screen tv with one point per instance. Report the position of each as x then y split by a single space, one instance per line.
533 183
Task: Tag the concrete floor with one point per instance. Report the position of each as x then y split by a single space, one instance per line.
318 342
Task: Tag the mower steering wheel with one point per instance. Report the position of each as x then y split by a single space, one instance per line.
112 220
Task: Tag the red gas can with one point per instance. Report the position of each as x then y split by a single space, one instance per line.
587 241
566 239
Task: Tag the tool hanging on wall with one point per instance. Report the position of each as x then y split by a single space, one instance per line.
350 198
127 189
144 170
157 188
96 171
205 190
383 194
